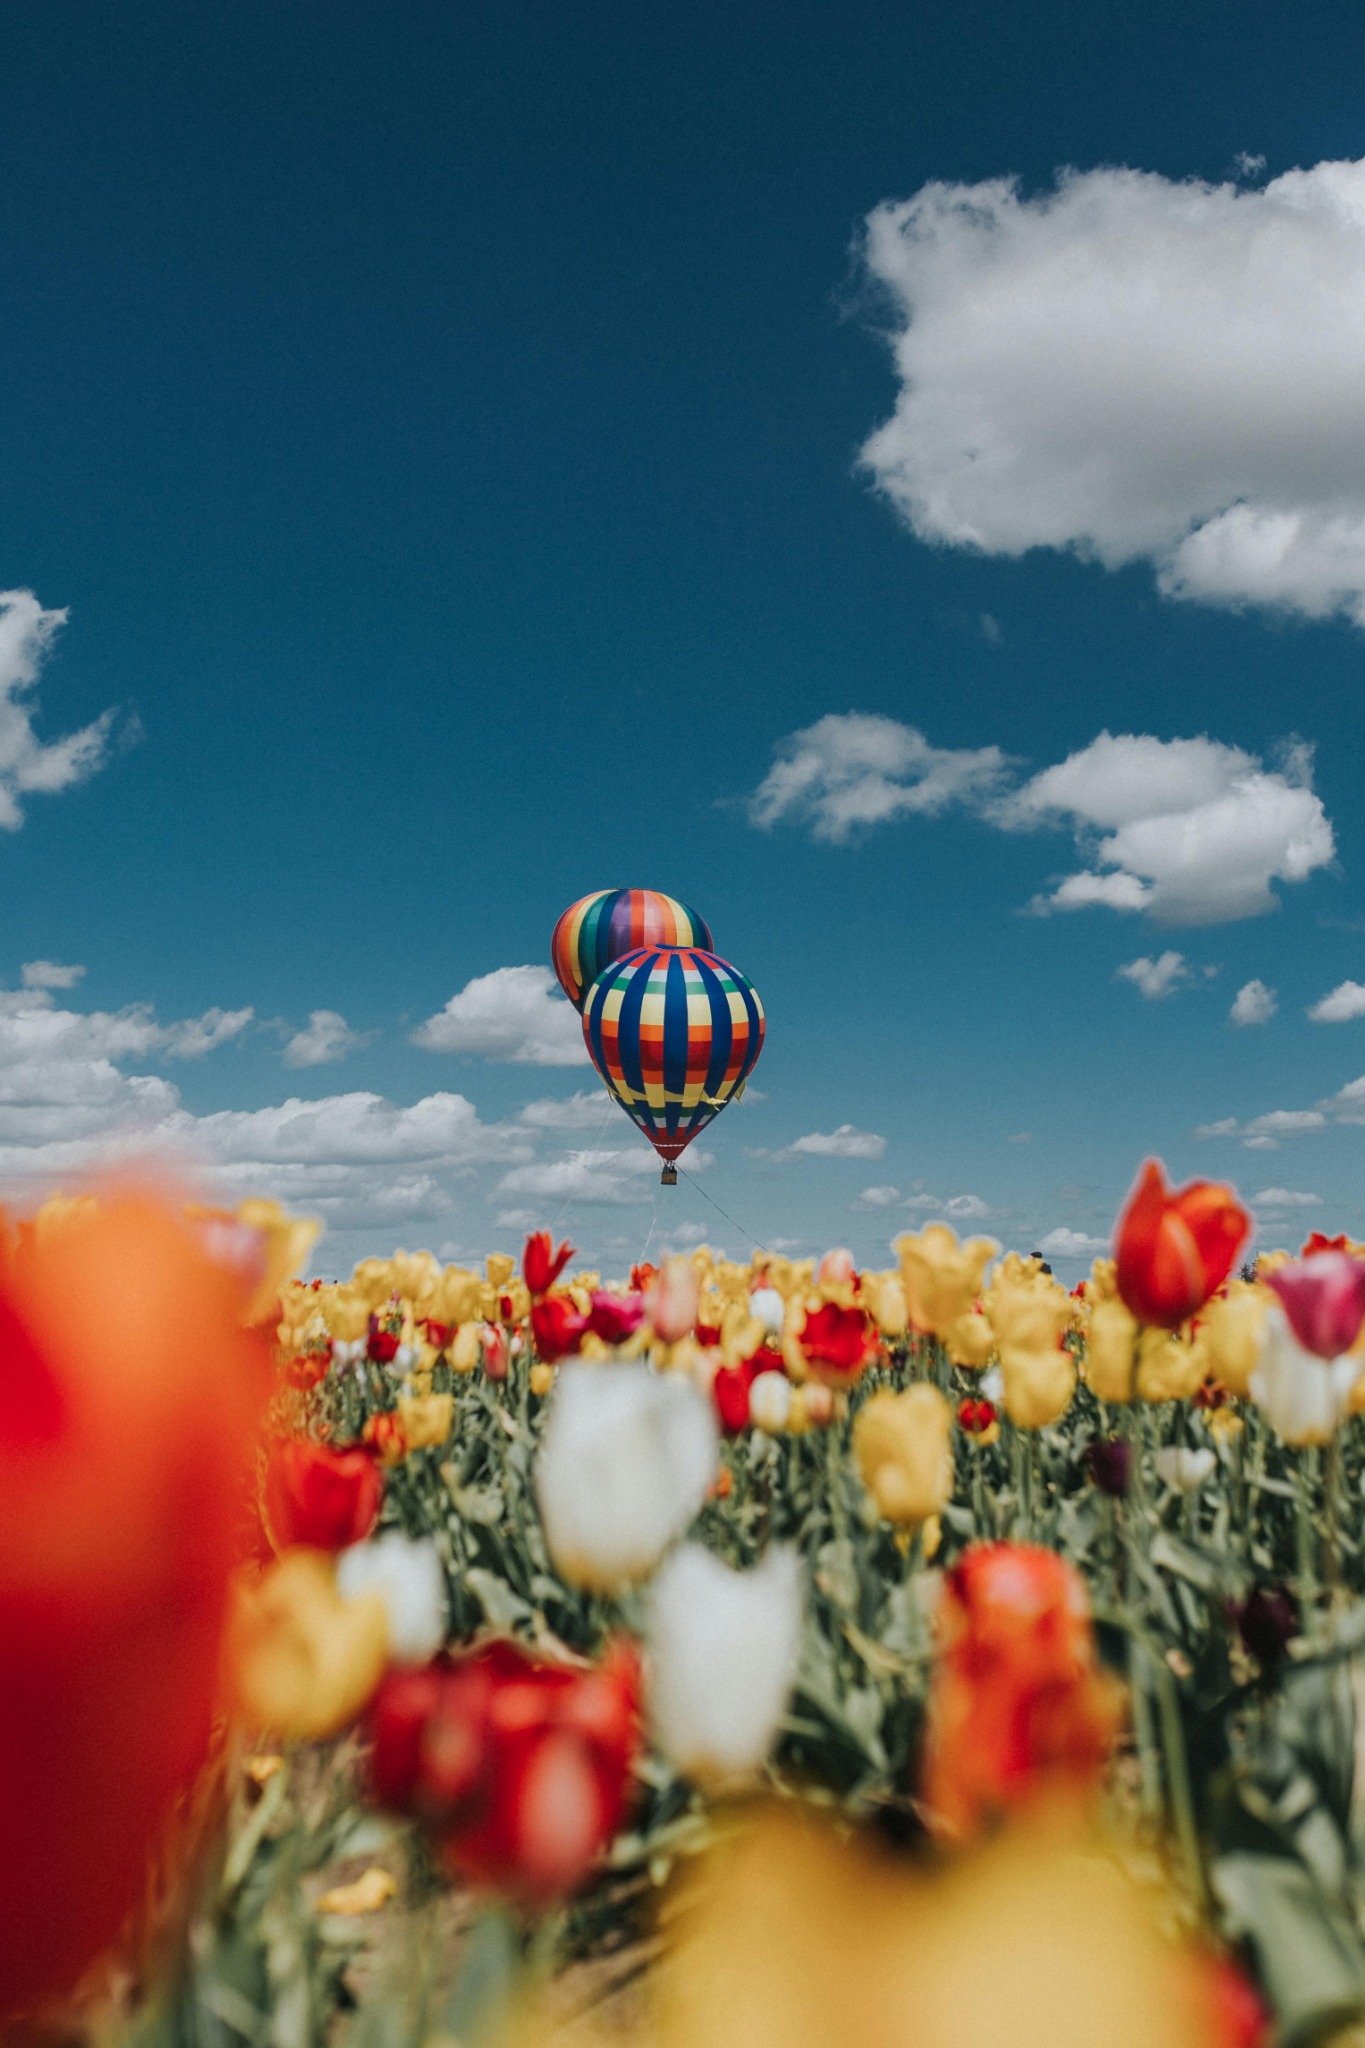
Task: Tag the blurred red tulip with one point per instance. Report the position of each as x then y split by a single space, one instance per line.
130 1397
1175 1248
542 1264
324 1500
557 1327
1018 1705
837 1342
615 1317
520 1769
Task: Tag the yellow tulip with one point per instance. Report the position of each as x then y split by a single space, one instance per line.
1232 1326
542 1378
417 1277
1111 1350
373 1279
461 1296
903 1445
883 1297
740 1333
970 1340
464 1350
300 1660
1038 1384
426 1419
1170 1367
498 1269
941 1278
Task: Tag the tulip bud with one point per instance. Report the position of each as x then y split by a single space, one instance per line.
624 1465
674 1301
770 1401
767 1307
1109 1461
903 1445
407 1576
1184 1469
1304 1397
724 1648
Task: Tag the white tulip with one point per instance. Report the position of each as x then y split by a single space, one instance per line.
1183 1468
1304 1397
770 1401
407 1576
723 1653
766 1306
344 1353
993 1385
624 1465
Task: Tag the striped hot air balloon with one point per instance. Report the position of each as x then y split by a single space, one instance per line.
600 928
674 1032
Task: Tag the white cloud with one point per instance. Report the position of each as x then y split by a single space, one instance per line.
1135 368
1263 1133
609 1177
965 1208
1285 1198
854 768
326 1037
1071 1244
1155 978
198 1035
1192 831
1253 1003
1344 1002
512 1014
49 974
1189 830
847 1142
29 765
585 1110
877 1198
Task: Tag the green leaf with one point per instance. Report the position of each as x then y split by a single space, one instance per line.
1309 1953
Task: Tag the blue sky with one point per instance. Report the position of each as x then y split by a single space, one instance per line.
471 445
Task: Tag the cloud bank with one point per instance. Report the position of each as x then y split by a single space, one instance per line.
30 766
1136 368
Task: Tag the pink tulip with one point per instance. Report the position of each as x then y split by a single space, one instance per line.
835 1269
674 1300
1324 1299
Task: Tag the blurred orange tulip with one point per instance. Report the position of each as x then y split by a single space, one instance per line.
129 1400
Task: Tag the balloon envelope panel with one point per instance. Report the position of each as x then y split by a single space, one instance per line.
600 928
674 1032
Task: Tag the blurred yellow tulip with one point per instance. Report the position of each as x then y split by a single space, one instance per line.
1038 1384
498 1269
1111 1350
903 1446
426 1419
1171 1366
1232 1326
299 1659
941 1277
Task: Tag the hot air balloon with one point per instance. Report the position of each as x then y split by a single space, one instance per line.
674 1032
600 928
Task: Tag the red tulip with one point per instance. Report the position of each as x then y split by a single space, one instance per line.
1316 1243
542 1264
730 1392
1018 1705
1176 1248
837 1342
495 1354
616 1316
307 1369
557 1327
129 1401
323 1499
520 1769
1324 1299
383 1344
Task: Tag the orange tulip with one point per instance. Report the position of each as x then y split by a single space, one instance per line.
129 1400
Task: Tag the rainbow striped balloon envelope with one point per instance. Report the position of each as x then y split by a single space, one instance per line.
675 1033
600 928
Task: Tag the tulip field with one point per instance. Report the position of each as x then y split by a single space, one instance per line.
750 1653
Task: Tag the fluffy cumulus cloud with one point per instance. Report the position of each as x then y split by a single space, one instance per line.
1157 977
1191 831
513 1014
855 769
846 1142
1253 1003
30 766
1137 368
609 1176
1071 1244
884 1197
1272 1199
49 974
1345 1002
585 1110
325 1038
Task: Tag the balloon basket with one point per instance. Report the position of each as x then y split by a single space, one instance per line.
669 1177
